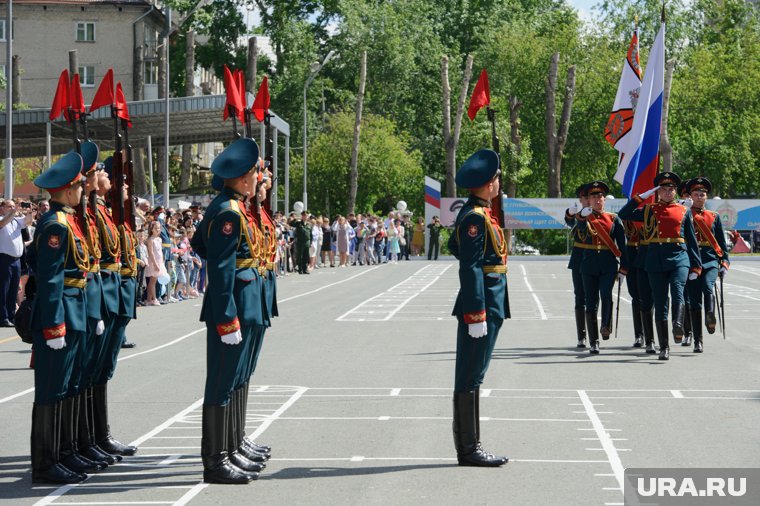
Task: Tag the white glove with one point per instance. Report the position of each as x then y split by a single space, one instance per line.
234 338
649 193
57 343
477 329
100 328
723 271
586 211
621 277
687 202
693 276
574 208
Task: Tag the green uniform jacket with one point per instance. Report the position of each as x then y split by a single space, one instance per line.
482 270
708 254
108 234
60 303
597 258
234 294
579 237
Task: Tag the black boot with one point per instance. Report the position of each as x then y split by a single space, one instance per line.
687 327
217 467
710 320
234 438
662 337
103 436
638 330
94 452
69 450
648 328
264 450
606 328
580 327
678 316
45 433
86 432
593 332
696 321
465 428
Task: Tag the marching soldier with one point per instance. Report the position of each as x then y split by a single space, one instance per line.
685 200
632 244
672 252
119 295
232 308
61 262
576 256
714 254
482 303
604 246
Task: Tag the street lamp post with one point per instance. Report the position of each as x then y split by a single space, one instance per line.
315 68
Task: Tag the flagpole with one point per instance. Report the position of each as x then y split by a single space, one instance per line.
8 101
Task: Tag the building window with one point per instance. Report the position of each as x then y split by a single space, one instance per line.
87 76
151 41
2 30
151 72
85 31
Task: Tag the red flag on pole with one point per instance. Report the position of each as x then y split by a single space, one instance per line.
76 102
261 104
61 99
122 111
481 95
233 95
104 95
240 79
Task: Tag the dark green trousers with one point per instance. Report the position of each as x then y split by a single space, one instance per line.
474 355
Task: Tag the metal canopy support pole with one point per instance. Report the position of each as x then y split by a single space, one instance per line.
166 104
150 172
274 170
286 207
48 143
8 101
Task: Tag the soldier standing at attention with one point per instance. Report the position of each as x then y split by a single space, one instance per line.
714 254
632 243
482 303
605 244
579 238
61 263
232 307
672 252
119 295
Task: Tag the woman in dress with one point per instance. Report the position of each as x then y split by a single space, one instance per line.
393 246
155 266
418 240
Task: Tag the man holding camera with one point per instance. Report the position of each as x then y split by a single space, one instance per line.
11 249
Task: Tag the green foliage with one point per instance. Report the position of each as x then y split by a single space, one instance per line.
389 169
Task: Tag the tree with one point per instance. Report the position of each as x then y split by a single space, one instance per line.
557 137
450 141
353 174
390 169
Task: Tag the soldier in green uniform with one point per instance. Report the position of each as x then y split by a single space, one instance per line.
576 255
603 248
632 245
685 200
714 254
232 306
60 260
118 311
482 303
672 252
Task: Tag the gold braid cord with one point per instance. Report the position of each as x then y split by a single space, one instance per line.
111 245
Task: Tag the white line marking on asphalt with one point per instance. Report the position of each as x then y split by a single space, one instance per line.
170 459
191 493
677 394
535 297
443 459
118 502
604 438
486 392
357 458
176 418
11 397
483 418
327 286
395 392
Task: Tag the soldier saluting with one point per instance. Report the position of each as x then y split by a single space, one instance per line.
672 252
576 256
482 303
714 254
604 245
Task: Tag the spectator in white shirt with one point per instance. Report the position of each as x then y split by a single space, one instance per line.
11 249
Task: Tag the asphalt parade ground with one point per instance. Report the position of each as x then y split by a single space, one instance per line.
353 392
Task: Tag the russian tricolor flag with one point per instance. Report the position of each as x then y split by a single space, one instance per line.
641 150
